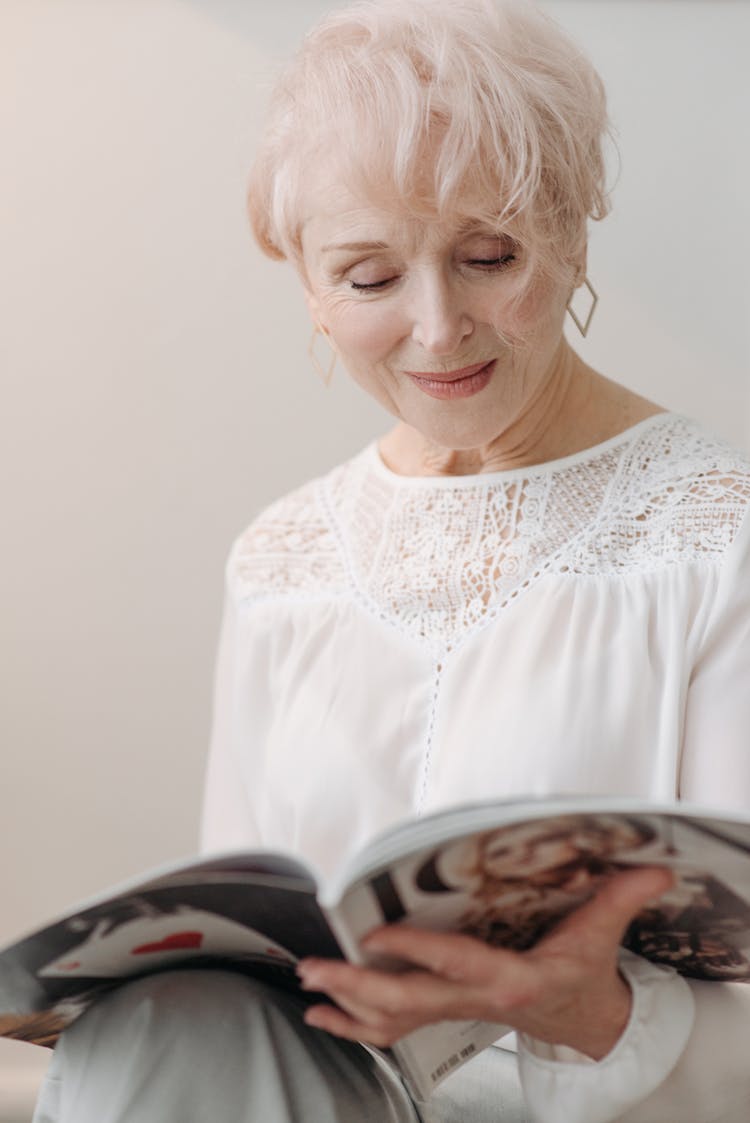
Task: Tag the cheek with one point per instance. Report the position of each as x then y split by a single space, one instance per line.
365 333
538 314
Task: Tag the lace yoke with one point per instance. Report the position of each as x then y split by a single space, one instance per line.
438 557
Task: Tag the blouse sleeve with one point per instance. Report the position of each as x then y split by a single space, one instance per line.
716 742
685 1053
683 1056
228 820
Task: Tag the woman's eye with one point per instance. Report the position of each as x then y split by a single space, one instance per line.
493 263
370 286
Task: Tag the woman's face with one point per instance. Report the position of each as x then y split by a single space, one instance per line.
528 850
424 317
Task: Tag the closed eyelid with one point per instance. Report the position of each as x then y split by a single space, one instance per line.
371 270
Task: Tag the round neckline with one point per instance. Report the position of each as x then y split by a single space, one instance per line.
547 467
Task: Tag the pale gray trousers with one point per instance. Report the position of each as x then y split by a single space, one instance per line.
218 1047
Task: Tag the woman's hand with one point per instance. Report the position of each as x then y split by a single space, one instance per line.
566 990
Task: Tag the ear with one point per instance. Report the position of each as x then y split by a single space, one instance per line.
581 266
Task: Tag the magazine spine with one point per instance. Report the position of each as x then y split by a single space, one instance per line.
419 1085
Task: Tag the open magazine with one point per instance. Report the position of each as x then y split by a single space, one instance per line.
503 872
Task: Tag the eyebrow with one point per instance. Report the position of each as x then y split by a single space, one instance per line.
354 246
469 229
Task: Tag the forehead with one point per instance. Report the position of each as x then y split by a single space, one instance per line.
334 214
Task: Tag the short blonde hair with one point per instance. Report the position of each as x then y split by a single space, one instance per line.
510 111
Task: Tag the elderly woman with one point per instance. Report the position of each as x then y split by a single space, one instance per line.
535 582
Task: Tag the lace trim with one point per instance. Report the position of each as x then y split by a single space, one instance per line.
289 549
439 562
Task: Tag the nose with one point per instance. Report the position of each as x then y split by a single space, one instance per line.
440 322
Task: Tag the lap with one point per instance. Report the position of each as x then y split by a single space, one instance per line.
194 1045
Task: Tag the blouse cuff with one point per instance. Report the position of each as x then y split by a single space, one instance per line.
561 1084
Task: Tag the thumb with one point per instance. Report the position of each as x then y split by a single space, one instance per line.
606 916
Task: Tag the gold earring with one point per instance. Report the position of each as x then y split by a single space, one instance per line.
325 371
584 325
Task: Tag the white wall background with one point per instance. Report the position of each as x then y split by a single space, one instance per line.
156 390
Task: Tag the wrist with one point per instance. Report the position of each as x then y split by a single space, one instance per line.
561 1084
605 1024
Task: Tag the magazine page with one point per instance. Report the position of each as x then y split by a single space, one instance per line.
511 882
442 826
259 923
429 1055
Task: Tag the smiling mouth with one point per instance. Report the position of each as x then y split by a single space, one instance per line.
463 383
448 376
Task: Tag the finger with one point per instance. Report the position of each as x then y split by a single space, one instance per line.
364 986
374 996
604 919
367 985
341 1024
453 957
344 1025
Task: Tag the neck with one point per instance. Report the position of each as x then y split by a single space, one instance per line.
573 409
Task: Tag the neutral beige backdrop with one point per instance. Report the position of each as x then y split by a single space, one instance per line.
156 391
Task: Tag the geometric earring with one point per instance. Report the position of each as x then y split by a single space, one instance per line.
583 326
323 365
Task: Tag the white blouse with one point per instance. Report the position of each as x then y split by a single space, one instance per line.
392 645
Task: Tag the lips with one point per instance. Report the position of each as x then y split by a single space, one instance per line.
447 385
449 376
